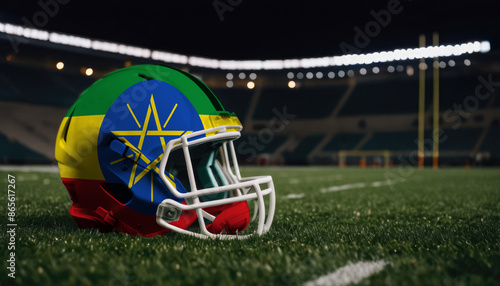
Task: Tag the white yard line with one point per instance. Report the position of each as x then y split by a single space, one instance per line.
293 196
355 186
30 168
351 273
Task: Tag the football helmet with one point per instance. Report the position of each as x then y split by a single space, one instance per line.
149 149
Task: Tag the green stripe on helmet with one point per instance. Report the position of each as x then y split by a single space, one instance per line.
99 96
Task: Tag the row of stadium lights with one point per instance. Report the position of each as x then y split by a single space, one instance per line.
309 75
328 61
241 75
291 75
60 65
84 70
331 75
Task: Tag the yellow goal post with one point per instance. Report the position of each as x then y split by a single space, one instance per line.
343 154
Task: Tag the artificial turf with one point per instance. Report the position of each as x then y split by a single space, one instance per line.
432 227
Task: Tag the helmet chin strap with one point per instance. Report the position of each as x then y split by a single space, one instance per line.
232 218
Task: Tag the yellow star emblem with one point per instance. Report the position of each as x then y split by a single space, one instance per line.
144 132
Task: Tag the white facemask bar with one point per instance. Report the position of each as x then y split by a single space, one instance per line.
241 186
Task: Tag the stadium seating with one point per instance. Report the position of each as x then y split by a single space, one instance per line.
236 100
395 96
454 91
384 97
41 86
36 86
497 102
343 141
300 154
16 153
459 140
245 149
392 140
491 142
306 103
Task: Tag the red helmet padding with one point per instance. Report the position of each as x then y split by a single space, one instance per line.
93 207
233 218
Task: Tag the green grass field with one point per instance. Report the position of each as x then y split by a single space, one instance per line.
431 228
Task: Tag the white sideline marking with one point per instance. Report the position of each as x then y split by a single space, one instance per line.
351 273
355 186
294 196
30 168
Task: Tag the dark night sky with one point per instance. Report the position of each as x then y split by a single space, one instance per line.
263 29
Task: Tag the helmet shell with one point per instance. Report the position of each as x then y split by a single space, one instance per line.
112 138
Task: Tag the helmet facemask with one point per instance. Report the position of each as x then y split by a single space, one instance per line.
207 167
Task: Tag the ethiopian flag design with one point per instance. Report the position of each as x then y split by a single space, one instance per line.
116 132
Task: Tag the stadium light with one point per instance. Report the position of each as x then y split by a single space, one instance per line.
305 63
409 70
169 57
89 71
250 85
60 65
291 84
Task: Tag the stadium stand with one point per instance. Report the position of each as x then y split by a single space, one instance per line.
235 100
247 150
455 90
496 103
372 112
491 142
382 97
300 154
461 139
13 152
306 103
393 140
24 84
33 126
343 141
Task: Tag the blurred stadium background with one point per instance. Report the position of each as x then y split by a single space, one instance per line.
314 83
300 111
